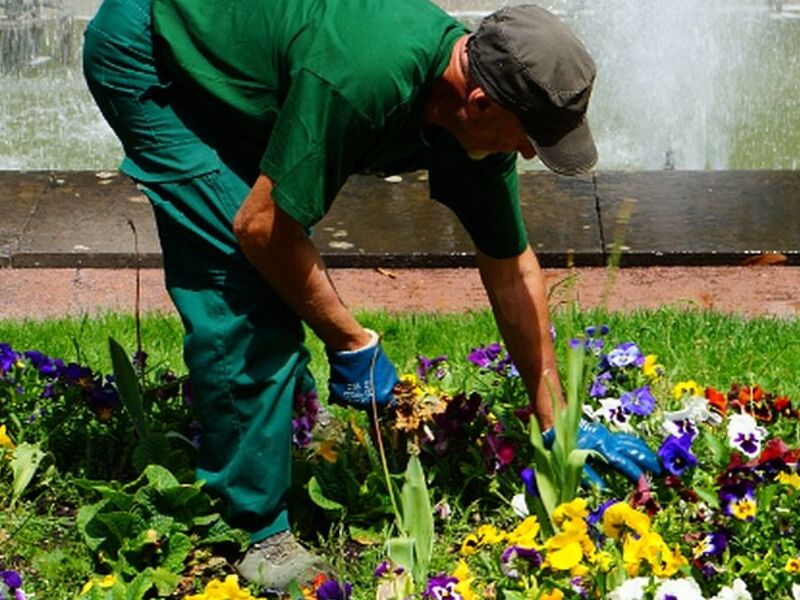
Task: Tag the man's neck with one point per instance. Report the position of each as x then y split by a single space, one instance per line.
449 91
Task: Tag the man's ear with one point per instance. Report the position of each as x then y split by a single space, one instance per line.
478 101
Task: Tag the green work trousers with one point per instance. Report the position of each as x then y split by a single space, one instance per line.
243 345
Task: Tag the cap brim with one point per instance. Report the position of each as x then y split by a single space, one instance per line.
572 154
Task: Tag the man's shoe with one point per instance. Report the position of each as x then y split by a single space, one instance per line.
277 561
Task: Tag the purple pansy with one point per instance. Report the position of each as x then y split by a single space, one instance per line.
431 366
333 590
599 387
676 454
440 587
514 555
639 402
625 355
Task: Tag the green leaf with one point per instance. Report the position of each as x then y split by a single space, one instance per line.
87 526
401 551
178 548
572 475
128 386
26 460
138 587
709 497
318 497
417 515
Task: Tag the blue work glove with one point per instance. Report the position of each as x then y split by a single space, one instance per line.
358 375
627 453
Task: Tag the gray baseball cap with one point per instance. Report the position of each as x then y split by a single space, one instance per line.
530 63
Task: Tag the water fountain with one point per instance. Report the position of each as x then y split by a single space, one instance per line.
687 84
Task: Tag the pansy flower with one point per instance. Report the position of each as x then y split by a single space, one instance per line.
711 545
331 589
8 358
435 367
676 454
738 500
625 355
514 557
792 479
686 388
613 412
600 385
745 435
793 565
639 402
651 369
5 439
717 401
696 409
441 587
679 589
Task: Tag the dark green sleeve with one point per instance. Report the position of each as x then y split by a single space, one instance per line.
485 197
313 148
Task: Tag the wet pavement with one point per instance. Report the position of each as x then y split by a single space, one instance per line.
659 218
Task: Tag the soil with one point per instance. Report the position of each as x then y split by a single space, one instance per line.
748 291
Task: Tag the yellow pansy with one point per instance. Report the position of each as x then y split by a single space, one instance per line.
564 552
668 562
792 479
651 369
101 582
524 534
792 565
223 590
487 535
552 595
688 388
576 509
621 515
5 440
743 509
651 548
464 585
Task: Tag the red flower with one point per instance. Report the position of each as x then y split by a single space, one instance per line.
717 401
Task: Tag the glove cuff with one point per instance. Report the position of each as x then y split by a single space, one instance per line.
374 338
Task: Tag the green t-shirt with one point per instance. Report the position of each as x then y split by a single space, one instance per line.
316 90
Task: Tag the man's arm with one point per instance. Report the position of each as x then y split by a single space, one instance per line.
284 255
519 301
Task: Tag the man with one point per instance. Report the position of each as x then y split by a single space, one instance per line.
242 120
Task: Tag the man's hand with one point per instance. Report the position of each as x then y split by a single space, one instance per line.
626 453
359 375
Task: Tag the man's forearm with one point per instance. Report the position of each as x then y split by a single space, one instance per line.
519 300
277 245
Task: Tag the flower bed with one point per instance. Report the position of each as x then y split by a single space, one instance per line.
721 522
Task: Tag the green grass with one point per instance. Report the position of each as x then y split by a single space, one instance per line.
711 348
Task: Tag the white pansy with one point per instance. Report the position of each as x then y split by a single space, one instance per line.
683 589
737 591
795 591
745 435
632 589
612 412
696 410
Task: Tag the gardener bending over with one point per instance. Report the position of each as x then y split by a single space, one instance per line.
242 120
